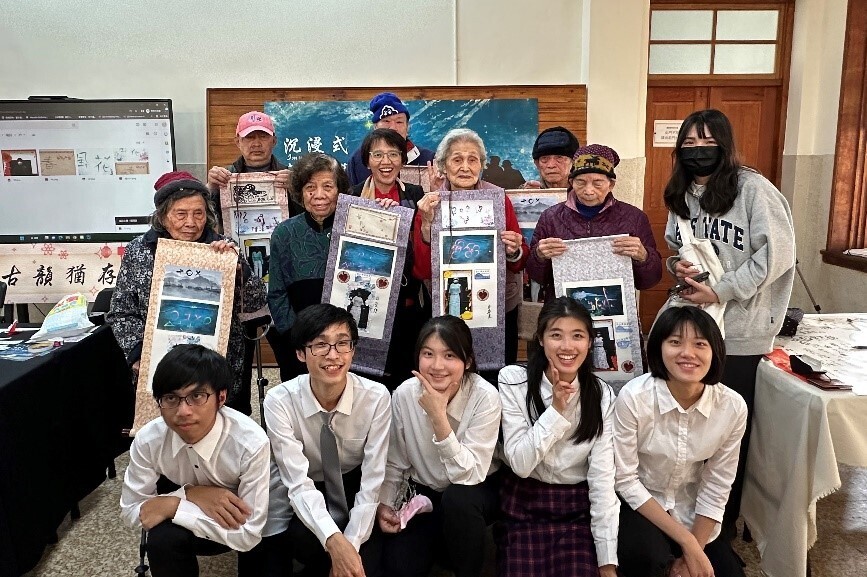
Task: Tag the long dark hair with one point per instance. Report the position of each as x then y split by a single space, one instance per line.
455 333
590 420
722 187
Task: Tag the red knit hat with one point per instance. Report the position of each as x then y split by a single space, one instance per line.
172 176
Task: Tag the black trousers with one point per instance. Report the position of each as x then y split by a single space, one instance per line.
643 550
457 525
242 400
172 550
740 374
274 555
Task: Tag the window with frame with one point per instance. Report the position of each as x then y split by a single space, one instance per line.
730 41
847 221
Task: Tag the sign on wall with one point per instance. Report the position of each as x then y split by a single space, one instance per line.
46 272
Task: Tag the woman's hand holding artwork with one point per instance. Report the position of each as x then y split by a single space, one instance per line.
550 247
427 206
630 246
512 242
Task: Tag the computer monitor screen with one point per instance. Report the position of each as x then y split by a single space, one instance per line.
81 170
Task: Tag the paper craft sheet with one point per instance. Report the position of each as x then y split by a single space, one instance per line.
364 274
602 282
468 268
191 298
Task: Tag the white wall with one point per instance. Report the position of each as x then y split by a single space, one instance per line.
814 84
617 75
808 158
154 49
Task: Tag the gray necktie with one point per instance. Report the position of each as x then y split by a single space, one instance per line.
335 497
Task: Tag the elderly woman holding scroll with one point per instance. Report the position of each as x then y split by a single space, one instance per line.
183 211
458 165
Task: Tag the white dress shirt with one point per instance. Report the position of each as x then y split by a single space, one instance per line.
465 457
234 455
545 451
686 459
361 423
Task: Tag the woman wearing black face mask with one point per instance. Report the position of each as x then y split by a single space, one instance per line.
749 223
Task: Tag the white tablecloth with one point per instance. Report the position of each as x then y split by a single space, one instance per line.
800 433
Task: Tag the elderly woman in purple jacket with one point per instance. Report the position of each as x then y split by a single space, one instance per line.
591 210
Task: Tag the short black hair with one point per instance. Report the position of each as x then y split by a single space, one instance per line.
315 319
387 135
311 164
456 335
672 319
186 365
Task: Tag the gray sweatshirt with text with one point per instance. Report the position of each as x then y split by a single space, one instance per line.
755 242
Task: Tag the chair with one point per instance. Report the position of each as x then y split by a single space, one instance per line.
101 305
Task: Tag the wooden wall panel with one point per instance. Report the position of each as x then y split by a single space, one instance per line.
558 105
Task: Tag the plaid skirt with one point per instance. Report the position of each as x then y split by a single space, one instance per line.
545 530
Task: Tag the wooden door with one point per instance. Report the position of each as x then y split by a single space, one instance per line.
756 117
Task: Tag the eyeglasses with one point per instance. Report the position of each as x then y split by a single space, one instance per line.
172 401
322 349
392 155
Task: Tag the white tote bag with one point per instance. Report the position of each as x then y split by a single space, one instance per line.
701 254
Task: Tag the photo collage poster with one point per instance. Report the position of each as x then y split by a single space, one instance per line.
253 205
191 298
365 271
529 204
468 267
602 282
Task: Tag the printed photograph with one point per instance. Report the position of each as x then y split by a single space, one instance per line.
258 253
530 206
458 298
254 221
603 351
600 300
365 258
468 248
192 284
181 316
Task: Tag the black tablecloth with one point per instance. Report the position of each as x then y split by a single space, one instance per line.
60 420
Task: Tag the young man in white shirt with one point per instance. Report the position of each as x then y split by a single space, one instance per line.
331 528
198 476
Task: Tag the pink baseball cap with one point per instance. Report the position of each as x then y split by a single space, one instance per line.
252 121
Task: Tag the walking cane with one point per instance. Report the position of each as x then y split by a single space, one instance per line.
142 569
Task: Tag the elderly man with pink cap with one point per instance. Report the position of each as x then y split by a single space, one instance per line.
388 111
254 137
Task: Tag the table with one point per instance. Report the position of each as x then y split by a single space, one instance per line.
800 433
60 420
